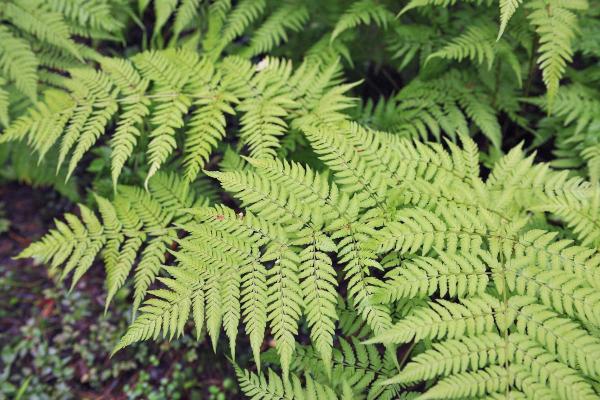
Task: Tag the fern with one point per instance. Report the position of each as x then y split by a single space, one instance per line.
273 387
38 37
289 16
576 110
556 25
132 219
361 12
401 244
19 62
152 89
476 44
488 328
507 9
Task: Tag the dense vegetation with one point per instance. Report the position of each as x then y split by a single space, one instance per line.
350 199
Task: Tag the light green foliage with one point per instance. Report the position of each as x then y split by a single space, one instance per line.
556 24
517 292
39 37
453 242
155 89
260 387
132 219
399 246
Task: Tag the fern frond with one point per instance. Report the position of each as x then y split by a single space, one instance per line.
259 387
456 275
185 14
452 357
507 9
476 43
556 24
167 312
444 320
135 224
240 18
470 384
290 16
560 336
206 128
560 378
36 19
18 62
262 122
89 18
162 12
362 12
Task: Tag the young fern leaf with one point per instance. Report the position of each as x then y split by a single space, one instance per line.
171 105
173 91
135 107
317 275
262 122
206 128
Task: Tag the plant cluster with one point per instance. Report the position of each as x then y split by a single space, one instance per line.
436 237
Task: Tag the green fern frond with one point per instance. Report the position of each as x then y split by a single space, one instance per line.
167 312
259 387
450 274
135 223
186 12
163 11
444 320
362 12
89 18
18 62
452 357
476 43
507 9
437 3
240 18
556 24
206 128
290 16
262 121
44 24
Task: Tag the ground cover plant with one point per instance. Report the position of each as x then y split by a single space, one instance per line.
340 199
